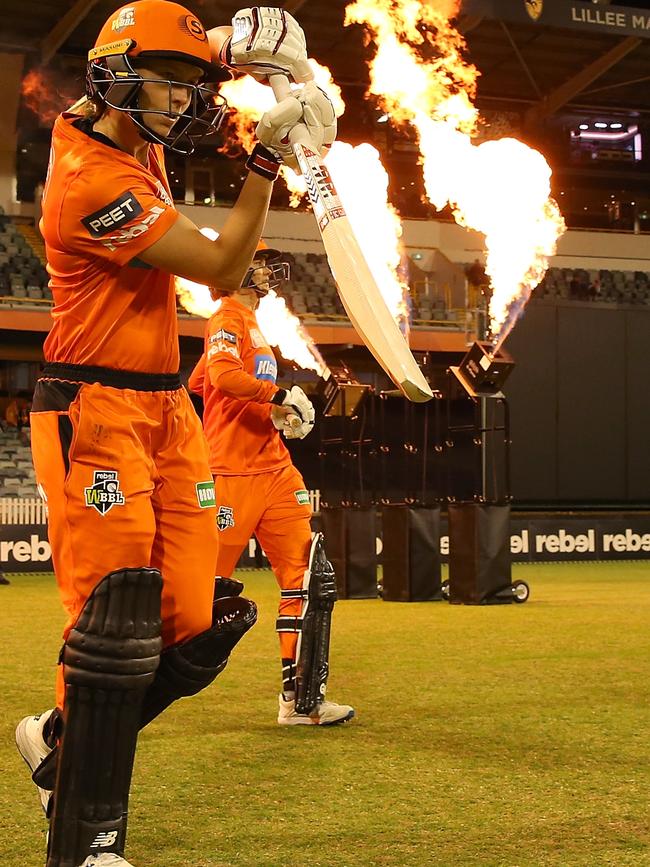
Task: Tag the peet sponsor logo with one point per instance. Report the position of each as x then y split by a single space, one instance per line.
37 550
113 215
222 334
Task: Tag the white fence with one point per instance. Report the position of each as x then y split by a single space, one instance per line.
32 510
22 510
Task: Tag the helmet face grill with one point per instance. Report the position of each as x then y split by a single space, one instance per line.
119 86
280 272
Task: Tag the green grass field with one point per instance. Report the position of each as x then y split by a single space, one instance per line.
509 735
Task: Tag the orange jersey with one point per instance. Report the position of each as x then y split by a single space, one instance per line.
236 378
101 208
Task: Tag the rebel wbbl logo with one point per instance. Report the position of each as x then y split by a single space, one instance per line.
105 492
225 518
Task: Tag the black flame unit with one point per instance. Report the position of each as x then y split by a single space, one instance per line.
342 392
483 371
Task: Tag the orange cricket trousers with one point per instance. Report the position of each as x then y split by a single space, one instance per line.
275 507
126 477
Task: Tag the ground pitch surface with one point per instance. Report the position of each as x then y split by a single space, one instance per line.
514 735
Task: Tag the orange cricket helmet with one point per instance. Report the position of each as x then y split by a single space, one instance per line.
157 29
270 259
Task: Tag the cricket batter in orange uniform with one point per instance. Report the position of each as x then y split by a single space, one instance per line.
258 490
118 450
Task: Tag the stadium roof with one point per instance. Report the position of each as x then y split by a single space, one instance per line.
589 64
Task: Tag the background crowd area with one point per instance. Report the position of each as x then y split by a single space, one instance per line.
311 291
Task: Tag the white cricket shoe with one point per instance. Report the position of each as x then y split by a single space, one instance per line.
106 859
33 749
327 713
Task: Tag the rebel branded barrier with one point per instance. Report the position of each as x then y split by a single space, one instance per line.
534 537
27 551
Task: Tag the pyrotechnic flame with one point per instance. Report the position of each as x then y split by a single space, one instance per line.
195 297
359 177
278 325
41 95
500 188
282 329
362 184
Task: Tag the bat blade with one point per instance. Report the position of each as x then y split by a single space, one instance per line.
358 289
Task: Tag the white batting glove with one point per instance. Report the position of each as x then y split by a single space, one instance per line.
300 406
297 430
285 419
309 106
267 40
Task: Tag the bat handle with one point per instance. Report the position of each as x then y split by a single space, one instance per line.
282 89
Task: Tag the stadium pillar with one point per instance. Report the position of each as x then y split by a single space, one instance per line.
11 73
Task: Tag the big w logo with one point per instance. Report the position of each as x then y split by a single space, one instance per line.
266 367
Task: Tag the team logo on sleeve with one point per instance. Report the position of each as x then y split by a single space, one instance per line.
302 497
113 215
205 494
256 338
105 492
266 367
225 518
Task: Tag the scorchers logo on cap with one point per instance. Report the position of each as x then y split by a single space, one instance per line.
126 18
105 492
191 24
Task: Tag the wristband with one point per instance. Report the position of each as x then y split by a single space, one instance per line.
279 396
263 162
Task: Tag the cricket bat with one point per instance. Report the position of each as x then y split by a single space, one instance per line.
356 284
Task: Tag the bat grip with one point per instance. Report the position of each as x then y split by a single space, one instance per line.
281 90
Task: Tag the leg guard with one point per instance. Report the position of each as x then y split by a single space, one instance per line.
184 669
312 652
227 587
110 658
187 668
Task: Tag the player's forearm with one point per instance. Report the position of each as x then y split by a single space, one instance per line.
243 229
238 384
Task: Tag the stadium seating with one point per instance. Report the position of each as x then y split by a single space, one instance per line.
603 286
311 292
16 469
22 262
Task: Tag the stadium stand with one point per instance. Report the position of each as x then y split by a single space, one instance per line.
22 267
578 284
16 470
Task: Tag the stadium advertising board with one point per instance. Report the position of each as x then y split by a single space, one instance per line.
25 548
621 20
545 539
